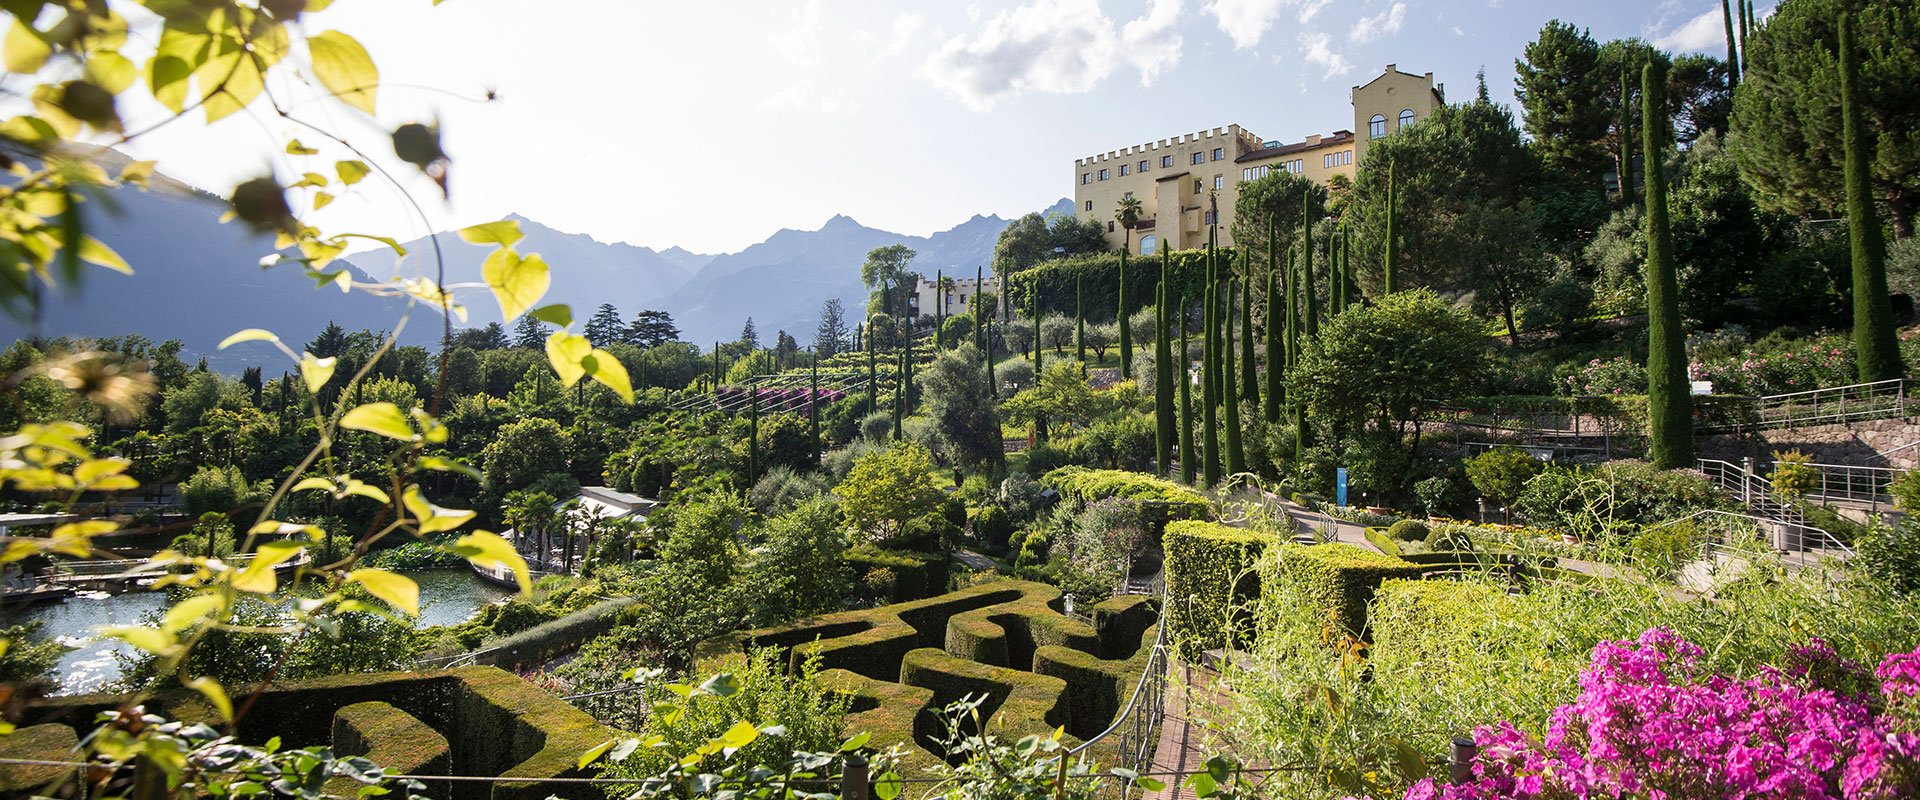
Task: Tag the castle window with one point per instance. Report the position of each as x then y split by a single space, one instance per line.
1127 196
1123 169
1089 205
1109 226
1103 174
1086 178
1146 244
1197 187
1219 182
1199 158
1166 161
1210 217
1216 154
1406 119
1377 127
1143 165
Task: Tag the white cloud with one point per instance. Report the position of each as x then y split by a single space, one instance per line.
1151 42
1707 32
800 41
1310 8
1245 21
1054 46
1385 23
1320 51
905 27
1457 31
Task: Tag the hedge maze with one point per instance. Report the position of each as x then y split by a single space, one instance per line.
1007 641
467 721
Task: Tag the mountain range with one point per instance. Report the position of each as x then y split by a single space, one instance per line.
198 280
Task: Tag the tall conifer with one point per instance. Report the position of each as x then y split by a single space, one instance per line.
1390 273
1275 368
1126 331
1307 294
1249 376
1079 320
1186 391
1733 46
1209 422
1164 435
1876 349
1669 404
1236 456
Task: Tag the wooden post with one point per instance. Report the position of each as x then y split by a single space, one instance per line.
1460 762
853 778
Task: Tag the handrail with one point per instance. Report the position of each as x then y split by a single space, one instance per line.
1827 540
1145 731
1889 381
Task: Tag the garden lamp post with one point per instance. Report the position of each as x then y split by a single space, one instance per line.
1483 509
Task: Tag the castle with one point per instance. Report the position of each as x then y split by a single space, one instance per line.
926 297
1181 181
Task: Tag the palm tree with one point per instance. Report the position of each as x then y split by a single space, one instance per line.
1128 215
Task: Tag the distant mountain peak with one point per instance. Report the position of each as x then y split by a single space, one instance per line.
841 221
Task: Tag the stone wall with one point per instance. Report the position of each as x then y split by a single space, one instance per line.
1854 443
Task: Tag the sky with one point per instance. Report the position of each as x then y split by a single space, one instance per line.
710 125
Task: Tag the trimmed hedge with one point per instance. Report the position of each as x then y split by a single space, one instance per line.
1378 537
495 723
1007 641
49 742
1098 274
1209 574
393 739
916 575
1098 484
548 640
1342 579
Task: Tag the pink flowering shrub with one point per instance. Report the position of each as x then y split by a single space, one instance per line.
1649 723
1779 367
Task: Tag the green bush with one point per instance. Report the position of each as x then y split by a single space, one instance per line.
1210 576
914 575
1089 485
1045 457
1906 491
1408 530
1502 472
1891 553
1340 580
544 642
992 528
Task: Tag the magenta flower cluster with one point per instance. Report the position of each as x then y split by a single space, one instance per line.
1650 722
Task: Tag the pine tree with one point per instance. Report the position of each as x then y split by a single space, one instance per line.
1876 350
1307 294
1669 404
1079 322
1164 435
749 337
528 334
1389 274
1236 455
1126 330
1733 51
1210 424
606 327
830 338
1186 391
1249 376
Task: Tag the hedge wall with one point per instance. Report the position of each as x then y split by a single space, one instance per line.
1429 622
1089 485
544 642
1341 579
396 740
1059 278
1209 574
916 575
48 742
495 722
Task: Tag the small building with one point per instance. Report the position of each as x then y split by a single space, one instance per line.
563 546
958 296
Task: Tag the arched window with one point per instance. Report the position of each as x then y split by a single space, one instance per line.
1146 244
1377 127
1406 119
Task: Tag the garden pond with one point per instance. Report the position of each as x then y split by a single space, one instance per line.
447 597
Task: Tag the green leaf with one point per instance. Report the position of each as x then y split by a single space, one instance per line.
309 484
248 335
111 71
210 689
432 518
742 733
489 551
357 488
258 577
723 684
442 464
24 51
397 590
294 147
503 233
623 750
321 200
855 743
96 252
888 786
565 351
1413 766
556 314
344 67
594 753
383 418
152 640
316 371
517 282
601 366
186 613
351 172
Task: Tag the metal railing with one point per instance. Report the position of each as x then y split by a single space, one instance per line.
1877 400
1854 484
1135 734
132 568
1753 491
1797 544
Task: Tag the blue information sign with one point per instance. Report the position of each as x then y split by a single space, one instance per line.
1340 486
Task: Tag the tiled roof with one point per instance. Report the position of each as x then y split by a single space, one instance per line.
1343 137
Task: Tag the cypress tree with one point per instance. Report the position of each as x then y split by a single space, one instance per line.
1236 456
993 384
1389 275
1876 350
1033 304
1627 196
813 414
1348 285
1162 374
1126 331
1186 391
753 434
1741 6
939 311
1271 407
1249 377
1209 422
1306 266
1210 332
1669 404
873 372
899 391
1733 48
1079 321
1291 335
716 366
979 319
